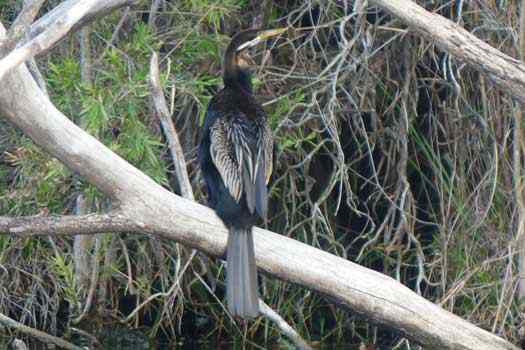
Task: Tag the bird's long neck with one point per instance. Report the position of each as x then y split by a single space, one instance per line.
234 76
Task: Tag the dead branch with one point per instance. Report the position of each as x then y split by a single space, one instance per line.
99 9
47 38
22 22
51 28
146 207
43 337
65 225
162 111
506 72
83 243
155 4
37 75
285 328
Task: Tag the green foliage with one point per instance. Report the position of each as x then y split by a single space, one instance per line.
142 43
8 10
65 85
198 48
214 12
64 270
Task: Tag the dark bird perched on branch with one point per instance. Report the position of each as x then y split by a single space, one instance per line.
235 156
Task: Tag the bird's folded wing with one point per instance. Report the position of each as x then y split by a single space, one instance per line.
243 157
223 156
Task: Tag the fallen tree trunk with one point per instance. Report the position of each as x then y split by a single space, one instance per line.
143 206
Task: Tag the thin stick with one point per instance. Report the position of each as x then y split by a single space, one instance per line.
161 108
82 244
93 281
285 328
35 333
517 161
155 4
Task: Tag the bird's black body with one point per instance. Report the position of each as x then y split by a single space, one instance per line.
235 158
224 106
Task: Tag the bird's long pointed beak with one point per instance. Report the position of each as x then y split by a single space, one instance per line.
271 33
264 35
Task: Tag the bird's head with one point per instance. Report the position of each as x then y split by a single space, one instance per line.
238 64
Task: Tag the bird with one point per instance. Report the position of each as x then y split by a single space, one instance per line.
235 156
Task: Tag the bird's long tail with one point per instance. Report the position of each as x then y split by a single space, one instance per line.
241 274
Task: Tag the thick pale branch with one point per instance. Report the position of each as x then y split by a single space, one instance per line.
53 27
98 10
508 73
56 31
66 225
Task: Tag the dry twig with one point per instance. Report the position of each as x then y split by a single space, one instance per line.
43 337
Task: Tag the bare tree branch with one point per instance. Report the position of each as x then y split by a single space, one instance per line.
508 73
37 75
48 38
285 328
162 111
81 246
22 22
50 29
93 281
43 337
99 9
86 65
82 243
155 4
65 225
